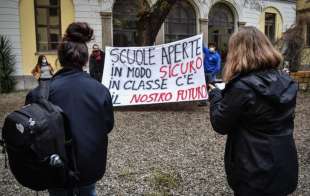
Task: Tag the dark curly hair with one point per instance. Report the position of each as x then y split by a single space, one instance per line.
73 51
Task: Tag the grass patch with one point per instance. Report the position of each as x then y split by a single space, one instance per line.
10 102
157 194
164 181
127 174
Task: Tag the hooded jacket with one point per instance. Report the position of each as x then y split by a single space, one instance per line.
256 111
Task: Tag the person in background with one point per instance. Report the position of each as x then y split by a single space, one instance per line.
285 68
212 66
256 112
43 72
96 63
212 63
87 105
43 69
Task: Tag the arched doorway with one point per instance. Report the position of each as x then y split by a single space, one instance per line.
125 17
181 22
221 26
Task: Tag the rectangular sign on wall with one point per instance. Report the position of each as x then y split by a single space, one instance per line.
157 74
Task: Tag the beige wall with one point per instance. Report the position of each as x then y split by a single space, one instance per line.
28 33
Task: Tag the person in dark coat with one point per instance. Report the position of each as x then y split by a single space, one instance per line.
88 106
96 63
256 112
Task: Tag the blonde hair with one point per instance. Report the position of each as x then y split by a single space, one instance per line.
248 50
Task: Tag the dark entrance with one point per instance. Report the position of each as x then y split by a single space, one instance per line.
125 17
181 22
221 26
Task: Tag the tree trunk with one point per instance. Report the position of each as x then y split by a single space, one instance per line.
150 21
294 41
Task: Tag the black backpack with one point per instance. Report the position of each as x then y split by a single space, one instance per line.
39 146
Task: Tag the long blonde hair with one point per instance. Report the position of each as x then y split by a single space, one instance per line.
248 50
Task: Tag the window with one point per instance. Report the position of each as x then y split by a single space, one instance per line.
221 26
270 26
48 31
308 35
125 18
181 22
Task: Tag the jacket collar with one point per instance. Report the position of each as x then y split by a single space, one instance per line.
235 78
67 71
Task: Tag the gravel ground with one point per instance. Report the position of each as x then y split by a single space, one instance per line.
166 150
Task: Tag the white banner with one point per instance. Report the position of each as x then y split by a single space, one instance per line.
157 74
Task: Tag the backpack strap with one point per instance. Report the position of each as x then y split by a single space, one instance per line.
74 172
72 156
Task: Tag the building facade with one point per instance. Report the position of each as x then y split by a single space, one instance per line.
36 26
303 10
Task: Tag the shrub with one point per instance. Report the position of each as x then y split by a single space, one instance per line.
7 63
165 181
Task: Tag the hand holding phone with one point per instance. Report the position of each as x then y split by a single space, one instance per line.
211 87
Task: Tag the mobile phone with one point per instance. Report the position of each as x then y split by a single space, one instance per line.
220 86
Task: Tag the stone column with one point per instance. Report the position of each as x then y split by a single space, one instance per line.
203 23
107 29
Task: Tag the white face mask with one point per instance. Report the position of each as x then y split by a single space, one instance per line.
44 61
212 49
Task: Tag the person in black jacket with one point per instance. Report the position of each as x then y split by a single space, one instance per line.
256 112
87 105
96 63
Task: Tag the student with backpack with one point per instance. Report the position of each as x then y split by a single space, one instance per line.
88 108
87 105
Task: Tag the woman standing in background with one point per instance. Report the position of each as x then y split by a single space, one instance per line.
43 72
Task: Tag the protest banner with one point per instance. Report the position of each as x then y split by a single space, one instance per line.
156 74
